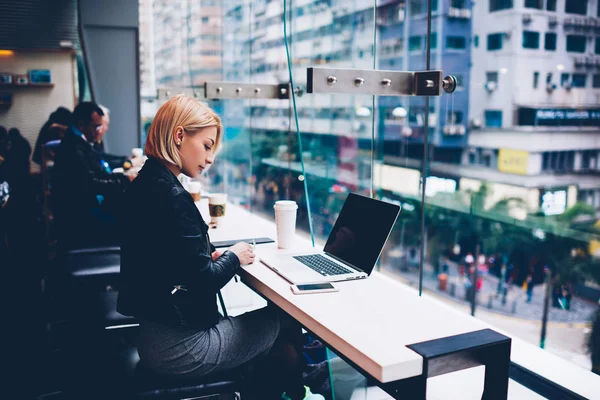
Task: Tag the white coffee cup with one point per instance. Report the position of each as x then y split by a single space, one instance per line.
195 188
217 203
285 222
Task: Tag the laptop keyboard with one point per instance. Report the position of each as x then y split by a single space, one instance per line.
322 265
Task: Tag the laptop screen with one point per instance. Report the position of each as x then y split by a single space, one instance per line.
361 231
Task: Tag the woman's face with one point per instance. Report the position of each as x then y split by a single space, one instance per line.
196 149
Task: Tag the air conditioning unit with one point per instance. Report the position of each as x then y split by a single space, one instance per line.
454 12
507 34
568 22
552 21
527 18
567 85
589 62
550 87
491 86
406 131
476 123
401 14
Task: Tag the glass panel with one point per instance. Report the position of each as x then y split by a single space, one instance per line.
510 215
512 226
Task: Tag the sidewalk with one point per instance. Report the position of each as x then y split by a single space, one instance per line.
516 305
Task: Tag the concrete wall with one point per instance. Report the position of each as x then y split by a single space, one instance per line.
111 46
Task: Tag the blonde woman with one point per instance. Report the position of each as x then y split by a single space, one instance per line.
171 273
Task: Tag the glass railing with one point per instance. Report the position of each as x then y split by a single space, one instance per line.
510 175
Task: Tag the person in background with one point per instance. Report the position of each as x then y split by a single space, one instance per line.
17 159
86 195
113 161
3 151
53 129
171 274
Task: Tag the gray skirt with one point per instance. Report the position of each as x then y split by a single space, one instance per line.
184 351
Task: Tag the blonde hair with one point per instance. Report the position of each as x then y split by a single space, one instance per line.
183 111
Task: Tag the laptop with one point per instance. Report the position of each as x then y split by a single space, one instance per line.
352 248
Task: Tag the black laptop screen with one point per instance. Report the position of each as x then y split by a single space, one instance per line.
361 231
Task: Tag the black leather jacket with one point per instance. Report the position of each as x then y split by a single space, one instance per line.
165 245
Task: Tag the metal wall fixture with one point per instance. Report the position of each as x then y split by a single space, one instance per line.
237 90
378 82
164 94
231 90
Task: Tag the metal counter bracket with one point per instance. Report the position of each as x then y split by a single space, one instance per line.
378 82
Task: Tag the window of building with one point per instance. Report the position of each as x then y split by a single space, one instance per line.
494 41
558 161
456 117
536 79
550 41
487 160
576 43
458 4
491 77
459 81
545 161
549 77
596 81
531 40
493 118
456 42
472 158
476 41
205 20
576 7
414 43
597 46
588 159
418 7
539 4
551 5
564 79
578 80
497 5
434 40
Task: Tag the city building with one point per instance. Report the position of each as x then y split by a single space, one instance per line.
534 102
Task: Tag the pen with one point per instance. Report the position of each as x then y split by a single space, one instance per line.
253 244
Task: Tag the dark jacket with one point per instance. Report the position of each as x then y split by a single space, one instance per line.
166 245
81 187
113 161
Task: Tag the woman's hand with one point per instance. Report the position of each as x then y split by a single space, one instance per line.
244 252
216 254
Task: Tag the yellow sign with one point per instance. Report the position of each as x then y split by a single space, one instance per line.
513 161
